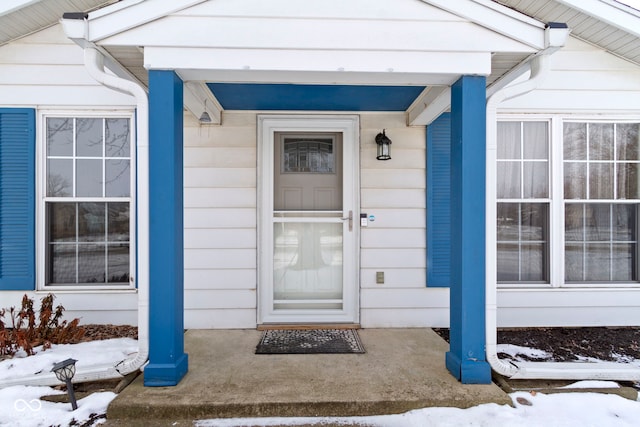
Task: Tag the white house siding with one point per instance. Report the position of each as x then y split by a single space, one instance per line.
395 243
45 71
584 83
220 233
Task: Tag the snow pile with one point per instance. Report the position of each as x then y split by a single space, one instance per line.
516 351
87 353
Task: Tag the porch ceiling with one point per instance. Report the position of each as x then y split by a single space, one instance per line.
314 97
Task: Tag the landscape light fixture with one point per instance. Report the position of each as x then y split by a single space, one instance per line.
65 371
384 146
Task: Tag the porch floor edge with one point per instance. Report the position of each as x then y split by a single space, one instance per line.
403 369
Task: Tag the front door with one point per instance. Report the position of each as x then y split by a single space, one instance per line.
308 228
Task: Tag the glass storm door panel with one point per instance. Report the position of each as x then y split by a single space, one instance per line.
308 222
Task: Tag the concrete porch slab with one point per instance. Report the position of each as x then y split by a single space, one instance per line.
403 369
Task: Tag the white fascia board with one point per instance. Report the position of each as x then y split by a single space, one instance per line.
130 14
498 18
429 106
318 77
613 13
163 58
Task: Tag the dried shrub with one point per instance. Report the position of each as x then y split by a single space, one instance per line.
24 330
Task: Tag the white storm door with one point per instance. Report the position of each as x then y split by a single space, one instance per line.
308 211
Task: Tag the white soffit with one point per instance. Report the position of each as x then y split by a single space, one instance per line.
19 18
607 24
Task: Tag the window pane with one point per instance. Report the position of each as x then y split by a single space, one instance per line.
601 141
534 219
118 222
89 137
533 262
623 262
508 140
117 178
117 138
605 250
508 180
89 178
118 264
627 175
59 137
91 263
597 262
574 222
87 242
508 262
575 141
508 222
91 222
61 222
597 222
62 263
574 262
59 178
522 242
601 181
575 180
536 180
536 140
624 223
628 141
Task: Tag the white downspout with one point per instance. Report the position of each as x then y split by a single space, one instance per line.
539 66
555 38
95 66
94 63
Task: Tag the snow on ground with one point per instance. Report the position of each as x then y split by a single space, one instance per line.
87 353
540 410
20 406
517 351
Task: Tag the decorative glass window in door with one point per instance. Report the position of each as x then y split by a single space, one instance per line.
308 155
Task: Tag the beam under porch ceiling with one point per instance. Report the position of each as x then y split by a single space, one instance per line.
427 107
196 94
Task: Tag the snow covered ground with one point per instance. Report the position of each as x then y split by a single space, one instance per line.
21 406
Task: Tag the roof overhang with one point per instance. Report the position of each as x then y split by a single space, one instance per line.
396 43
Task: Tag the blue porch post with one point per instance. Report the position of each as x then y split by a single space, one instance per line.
168 362
466 358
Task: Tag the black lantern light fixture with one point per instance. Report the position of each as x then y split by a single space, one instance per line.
384 146
65 371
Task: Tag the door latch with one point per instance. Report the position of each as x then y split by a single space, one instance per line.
350 218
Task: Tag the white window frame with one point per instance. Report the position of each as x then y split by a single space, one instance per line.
557 202
548 200
41 198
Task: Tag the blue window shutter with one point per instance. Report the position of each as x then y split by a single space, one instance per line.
438 202
17 198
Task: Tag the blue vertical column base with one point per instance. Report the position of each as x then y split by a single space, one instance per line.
166 374
468 371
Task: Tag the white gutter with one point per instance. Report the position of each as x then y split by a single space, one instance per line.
539 64
94 63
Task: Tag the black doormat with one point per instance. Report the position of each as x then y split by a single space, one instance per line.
309 341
